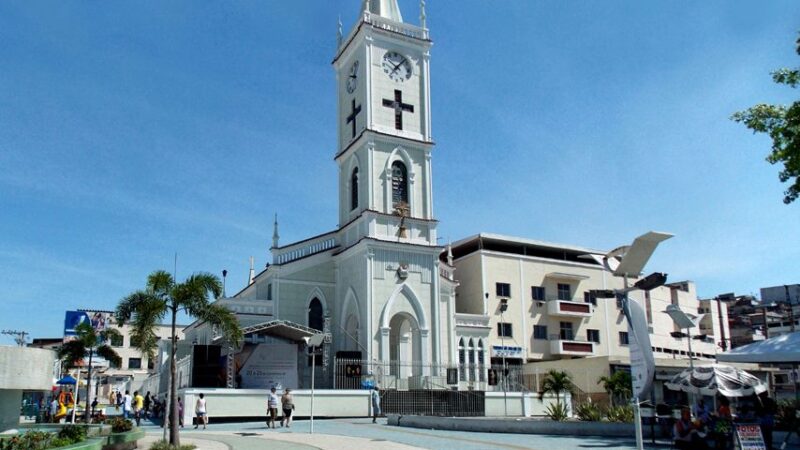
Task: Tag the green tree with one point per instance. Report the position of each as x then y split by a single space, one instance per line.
88 341
556 382
144 309
782 124
619 386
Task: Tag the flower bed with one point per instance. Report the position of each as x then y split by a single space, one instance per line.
72 437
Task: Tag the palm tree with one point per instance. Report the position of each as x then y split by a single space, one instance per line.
89 341
144 309
556 382
619 386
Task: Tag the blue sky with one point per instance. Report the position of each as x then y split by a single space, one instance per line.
130 131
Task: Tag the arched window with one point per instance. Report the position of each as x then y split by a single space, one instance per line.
315 322
315 314
462 370
471 361
399 184
481 367
354 189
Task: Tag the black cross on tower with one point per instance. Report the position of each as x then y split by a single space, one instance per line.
398 106
352 117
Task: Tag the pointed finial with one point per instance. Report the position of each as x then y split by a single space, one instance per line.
422 15
275 235
365 7
252 272
449 254
339 32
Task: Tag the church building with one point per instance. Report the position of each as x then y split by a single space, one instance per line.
375 285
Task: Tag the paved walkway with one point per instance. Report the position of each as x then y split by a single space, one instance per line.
353 434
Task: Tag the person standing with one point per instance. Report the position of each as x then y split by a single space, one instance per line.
138 407
287 404
376 404
201 412
148 402
53 409
180 412
272 407
127 403
119 400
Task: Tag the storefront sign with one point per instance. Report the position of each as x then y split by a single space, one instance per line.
506 351
750 437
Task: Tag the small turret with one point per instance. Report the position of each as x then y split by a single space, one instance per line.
252 272
275 235
384 8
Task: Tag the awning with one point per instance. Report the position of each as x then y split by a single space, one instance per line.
279 328
781 349
567 276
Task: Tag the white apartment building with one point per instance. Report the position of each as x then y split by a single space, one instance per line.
552 321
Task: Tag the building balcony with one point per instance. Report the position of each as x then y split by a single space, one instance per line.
567 347
569 308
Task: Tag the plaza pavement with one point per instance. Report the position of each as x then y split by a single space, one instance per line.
353 434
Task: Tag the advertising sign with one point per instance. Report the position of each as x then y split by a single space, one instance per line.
749 437
99 320
643 365
270 365
499 351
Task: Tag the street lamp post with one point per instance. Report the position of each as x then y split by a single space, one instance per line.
313 342
503 308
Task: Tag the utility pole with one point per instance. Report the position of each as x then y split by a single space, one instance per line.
19 336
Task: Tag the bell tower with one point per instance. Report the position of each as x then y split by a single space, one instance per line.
384 128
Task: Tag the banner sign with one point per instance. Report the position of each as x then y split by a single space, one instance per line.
750 437
271 365
643 366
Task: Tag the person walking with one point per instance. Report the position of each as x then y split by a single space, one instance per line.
53 409
287 404
272 407
376 404
119 400
127 402
138 407
201 412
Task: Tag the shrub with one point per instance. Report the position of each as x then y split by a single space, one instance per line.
557 411
72 433
622 413
589 412
164 445
120 425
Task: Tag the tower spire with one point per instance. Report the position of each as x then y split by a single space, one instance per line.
449 254
384 8
252 272
339 33
422 15
275 235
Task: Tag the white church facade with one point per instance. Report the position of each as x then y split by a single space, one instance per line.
375 285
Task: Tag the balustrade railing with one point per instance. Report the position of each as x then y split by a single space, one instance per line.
305 248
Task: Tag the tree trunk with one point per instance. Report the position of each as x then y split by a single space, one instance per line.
174 437
88 388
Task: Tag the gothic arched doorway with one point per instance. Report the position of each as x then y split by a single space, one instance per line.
404 345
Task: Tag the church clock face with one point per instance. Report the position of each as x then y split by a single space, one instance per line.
396 66
352 78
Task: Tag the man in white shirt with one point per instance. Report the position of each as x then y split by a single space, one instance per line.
127 401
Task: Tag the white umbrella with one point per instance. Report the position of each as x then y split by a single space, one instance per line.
708 380
781 349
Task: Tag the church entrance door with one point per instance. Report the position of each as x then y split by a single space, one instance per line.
404 346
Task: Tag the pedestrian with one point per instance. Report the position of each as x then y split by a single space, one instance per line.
376 403
272 407
138 407
767 408
127 403
53 409
148 402
119 399
94 406
287 404
201 412
180 412
112 399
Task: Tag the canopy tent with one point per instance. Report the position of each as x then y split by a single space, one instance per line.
708 380
67 380
780 349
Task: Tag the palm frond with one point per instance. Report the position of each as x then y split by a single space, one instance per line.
138 302
110 355
160 283
72 352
